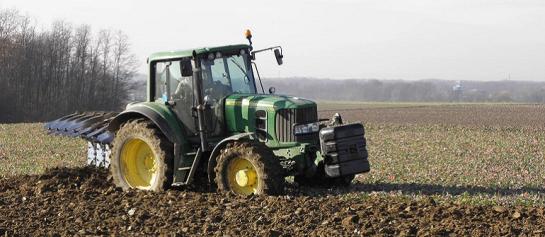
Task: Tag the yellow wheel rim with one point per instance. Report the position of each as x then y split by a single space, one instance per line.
242 176
138 164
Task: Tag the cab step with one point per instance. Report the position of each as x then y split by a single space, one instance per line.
184 175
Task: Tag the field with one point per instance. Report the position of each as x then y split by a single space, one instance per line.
484 153
437 169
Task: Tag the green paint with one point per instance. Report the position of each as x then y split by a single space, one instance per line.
166 114
305 161
240 112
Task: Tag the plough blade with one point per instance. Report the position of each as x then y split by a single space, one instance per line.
91 126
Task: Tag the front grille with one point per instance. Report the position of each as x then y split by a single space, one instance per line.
286 118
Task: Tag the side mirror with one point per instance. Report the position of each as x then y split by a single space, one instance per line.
278 56
186 68
272 90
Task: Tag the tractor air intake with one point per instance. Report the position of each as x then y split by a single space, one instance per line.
286 118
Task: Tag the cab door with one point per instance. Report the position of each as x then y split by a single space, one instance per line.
174 84
216 86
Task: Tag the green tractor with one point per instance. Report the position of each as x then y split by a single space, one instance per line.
207 116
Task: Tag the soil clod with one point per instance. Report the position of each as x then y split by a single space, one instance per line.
80 201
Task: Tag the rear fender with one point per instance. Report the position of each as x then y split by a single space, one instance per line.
222 144
160 115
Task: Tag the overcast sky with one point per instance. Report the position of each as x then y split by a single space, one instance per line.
385 39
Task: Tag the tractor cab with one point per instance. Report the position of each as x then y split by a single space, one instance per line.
222 71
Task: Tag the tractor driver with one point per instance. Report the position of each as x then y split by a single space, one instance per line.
215 80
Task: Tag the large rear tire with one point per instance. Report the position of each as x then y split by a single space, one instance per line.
141 157
249 168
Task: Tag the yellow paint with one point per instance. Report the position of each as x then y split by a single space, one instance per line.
242 176
138 164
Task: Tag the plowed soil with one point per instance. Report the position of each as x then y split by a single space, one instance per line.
80 201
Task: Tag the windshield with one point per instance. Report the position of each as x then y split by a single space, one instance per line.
225 75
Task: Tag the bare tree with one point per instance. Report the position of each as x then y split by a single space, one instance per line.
45 74
124 67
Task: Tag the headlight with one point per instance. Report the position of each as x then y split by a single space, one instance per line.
301 129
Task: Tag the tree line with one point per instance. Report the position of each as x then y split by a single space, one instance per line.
48 73
411 91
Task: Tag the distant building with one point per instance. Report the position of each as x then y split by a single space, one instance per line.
457 91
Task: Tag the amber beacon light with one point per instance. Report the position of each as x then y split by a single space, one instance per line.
248 35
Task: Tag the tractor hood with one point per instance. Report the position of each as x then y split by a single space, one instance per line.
270 116
266 102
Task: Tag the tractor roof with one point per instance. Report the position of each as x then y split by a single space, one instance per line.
189 52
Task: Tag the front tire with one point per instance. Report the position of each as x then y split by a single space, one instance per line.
141 157
249 168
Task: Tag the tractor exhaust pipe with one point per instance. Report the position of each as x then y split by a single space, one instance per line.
200 107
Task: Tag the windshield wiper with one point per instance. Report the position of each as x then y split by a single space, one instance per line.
242 70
